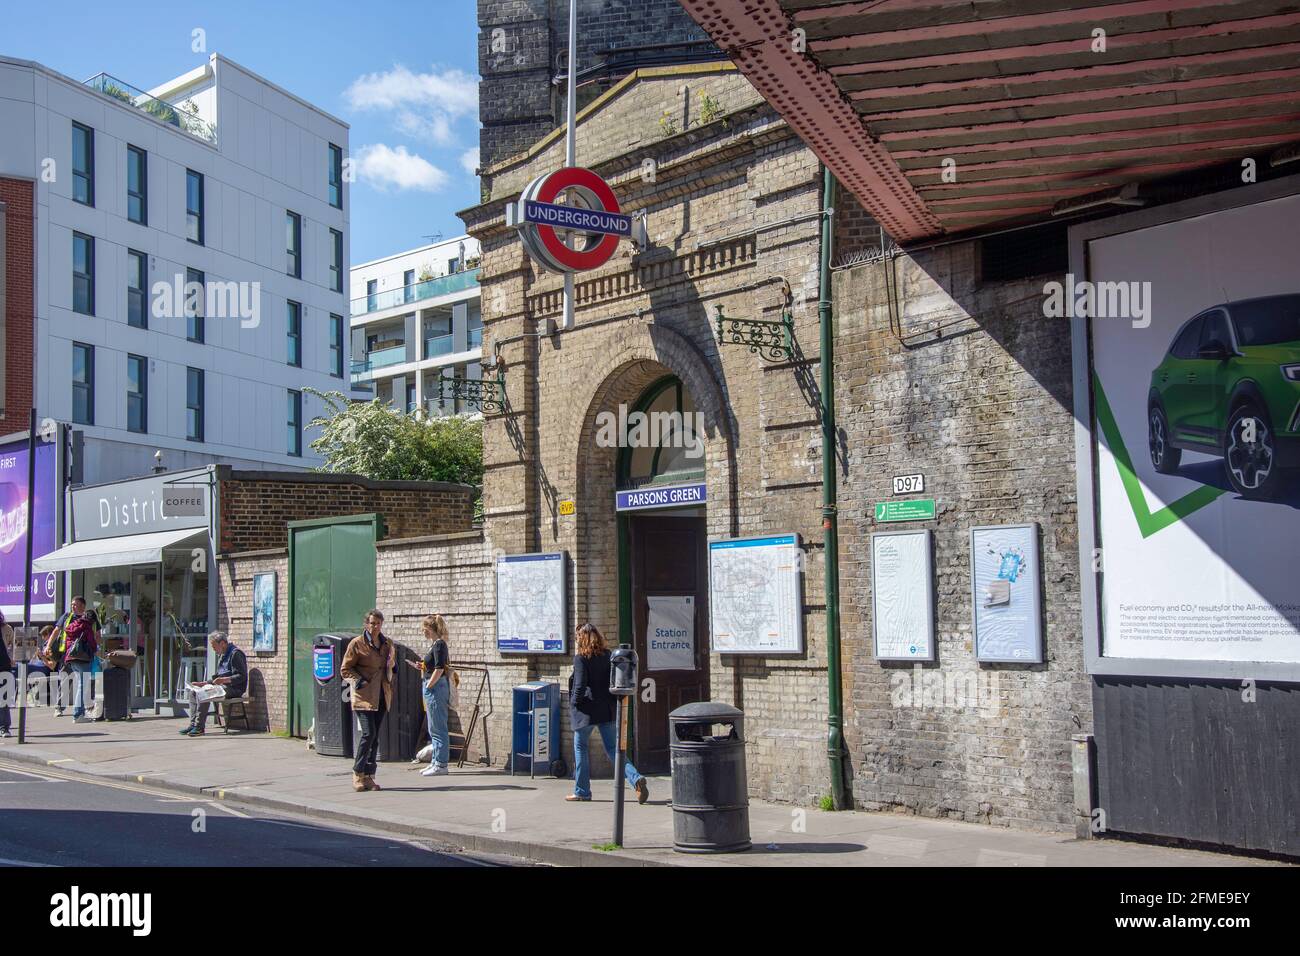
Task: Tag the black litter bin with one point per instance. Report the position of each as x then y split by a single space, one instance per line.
333 711
710 786
399 735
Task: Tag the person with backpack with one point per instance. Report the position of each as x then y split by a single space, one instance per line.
54 654
81 644
593 708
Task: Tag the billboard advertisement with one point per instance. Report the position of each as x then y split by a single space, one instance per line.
1196 421
13 529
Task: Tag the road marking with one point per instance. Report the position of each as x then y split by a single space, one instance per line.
51 763
233 812
39 776
8 862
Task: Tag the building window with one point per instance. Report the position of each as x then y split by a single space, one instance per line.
137 393
195 297
295 422
194 206
137 281
336 176
194 404
83 274
336 346
293 243
372 303
137 185
83 384
294 322
83 164
336 260
408 285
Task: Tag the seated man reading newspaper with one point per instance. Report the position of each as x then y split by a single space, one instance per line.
230 680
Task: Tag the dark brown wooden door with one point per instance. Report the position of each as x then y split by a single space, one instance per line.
668 559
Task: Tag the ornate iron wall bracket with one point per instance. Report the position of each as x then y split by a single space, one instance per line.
485 393
771 340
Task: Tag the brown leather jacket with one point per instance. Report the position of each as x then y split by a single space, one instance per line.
373 664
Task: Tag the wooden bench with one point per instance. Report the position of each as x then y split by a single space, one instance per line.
228 704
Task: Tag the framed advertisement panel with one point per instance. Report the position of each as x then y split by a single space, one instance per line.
532 610
1179 535
756 595
46 525
1006 593
902 595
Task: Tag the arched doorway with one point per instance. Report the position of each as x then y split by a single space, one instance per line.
663 563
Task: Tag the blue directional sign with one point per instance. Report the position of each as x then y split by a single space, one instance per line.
577 218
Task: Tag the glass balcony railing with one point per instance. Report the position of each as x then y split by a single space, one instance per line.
438 345
380 358
476 337
416 292
161 110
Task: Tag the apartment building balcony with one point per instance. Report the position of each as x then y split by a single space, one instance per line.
416 292
161 110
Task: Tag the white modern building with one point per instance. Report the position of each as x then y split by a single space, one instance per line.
416 321
191 262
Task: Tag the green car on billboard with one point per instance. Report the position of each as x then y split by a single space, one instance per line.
1230 386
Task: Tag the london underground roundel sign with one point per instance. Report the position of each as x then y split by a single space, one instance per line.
581 232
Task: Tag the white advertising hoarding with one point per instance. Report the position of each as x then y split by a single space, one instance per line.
902 595
1197 408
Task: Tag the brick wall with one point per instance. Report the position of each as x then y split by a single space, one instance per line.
523 44
971 386
20 303
255 507
268 670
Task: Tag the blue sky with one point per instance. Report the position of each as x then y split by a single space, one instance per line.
401 73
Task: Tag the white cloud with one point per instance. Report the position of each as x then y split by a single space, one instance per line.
424 105
469 160
387 168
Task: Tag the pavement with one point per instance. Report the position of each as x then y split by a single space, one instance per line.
486 810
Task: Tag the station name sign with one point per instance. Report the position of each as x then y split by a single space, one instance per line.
674 496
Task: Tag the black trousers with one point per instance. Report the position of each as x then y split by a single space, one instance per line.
368 746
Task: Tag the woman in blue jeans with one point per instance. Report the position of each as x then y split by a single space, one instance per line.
593 707
436 668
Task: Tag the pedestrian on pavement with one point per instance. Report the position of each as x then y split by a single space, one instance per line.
436 668
593 707
56 651
368 665
230 674
6 675
81 644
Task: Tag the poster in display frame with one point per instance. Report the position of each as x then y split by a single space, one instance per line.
1006 593
889 583
264 612
1103 655
48 523
742 560
523 625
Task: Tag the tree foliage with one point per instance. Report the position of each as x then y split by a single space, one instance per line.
377 442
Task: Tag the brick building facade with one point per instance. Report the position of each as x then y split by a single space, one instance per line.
254 510
18 306
938 371
523 46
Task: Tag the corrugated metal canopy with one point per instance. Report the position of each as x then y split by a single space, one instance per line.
1017 93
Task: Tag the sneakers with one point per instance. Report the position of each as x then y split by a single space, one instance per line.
4 732
642 791
575 798
184 731
83 719
434 770
195 732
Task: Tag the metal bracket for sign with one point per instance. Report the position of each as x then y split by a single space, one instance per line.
773 340
487 394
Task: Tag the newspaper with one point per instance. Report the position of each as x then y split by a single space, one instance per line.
201 693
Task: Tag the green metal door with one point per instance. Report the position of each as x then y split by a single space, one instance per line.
331 587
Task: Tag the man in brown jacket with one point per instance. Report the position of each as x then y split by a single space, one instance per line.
368 666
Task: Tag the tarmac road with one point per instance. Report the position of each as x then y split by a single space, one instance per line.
51 819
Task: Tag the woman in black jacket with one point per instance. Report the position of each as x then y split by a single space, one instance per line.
593 706
6 674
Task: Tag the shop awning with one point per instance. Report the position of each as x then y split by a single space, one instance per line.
114 552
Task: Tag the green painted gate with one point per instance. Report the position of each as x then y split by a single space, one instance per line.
331 587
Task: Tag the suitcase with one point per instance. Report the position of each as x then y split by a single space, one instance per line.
117 693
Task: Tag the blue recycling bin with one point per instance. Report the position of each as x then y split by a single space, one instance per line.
535 736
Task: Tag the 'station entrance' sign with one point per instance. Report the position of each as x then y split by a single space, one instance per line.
670 633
